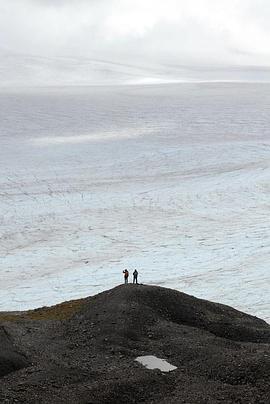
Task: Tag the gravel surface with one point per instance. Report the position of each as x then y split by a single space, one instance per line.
84 351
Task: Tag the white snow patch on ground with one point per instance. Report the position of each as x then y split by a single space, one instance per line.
172 180
152 362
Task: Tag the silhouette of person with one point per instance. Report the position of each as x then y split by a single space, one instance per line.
135 276
126 274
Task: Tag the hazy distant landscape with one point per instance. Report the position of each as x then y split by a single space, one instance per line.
172 179
19 70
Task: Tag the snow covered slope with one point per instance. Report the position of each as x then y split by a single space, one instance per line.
22 70
29 70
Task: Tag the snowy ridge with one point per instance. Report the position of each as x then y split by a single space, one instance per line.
22 70
30 70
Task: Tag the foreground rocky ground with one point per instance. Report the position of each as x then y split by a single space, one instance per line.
84 351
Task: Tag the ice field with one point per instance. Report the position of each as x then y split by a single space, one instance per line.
171 179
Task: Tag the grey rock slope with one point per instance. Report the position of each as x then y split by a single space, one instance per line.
10 359
84 351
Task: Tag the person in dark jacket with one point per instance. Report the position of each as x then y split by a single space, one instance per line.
135 276
126 274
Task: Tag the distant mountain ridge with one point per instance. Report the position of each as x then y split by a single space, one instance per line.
33 70
30 70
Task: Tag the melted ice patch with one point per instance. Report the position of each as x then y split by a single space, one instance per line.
152 362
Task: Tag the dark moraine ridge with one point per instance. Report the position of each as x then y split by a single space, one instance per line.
84 351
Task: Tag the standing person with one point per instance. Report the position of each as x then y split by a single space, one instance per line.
135 276
126 274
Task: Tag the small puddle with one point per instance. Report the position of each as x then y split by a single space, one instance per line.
152 362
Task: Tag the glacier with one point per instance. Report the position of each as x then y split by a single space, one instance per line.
171 179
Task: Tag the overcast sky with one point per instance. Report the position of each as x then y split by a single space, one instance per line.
192 32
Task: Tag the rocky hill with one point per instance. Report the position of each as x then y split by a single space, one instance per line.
84 351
